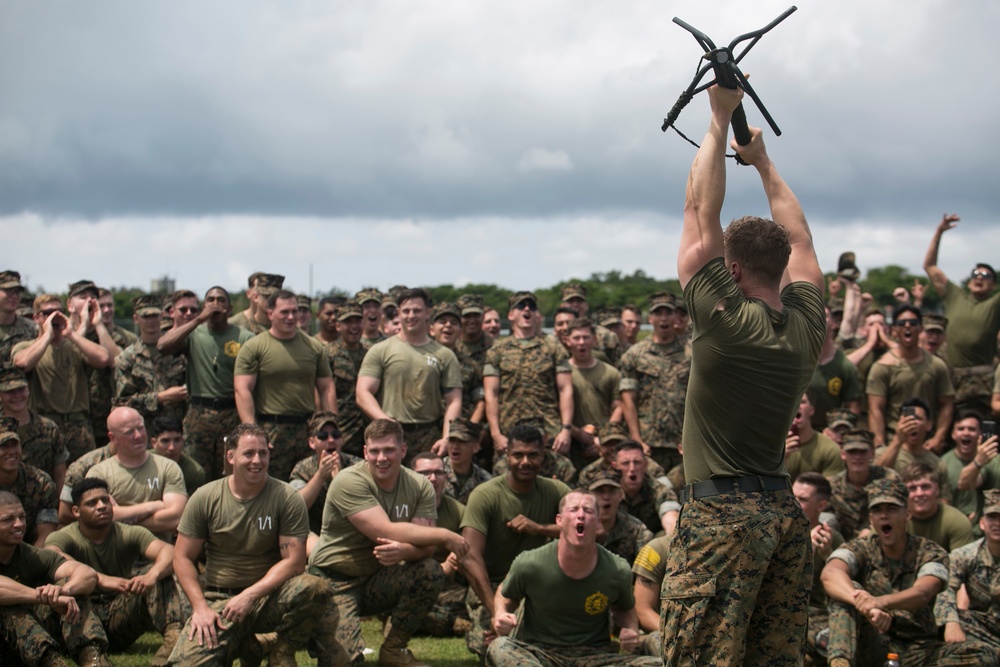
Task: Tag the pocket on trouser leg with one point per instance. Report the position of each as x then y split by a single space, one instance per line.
684 604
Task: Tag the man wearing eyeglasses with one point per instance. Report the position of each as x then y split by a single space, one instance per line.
56 363
528 374
146 379
904 372
973 324
210 344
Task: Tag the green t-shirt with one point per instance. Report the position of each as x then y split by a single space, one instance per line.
948 527
492 504
32 567
156 477
194 474
972 327
286 372
242 535
905 458
344 548
750 366
562 611
450 513
58 383
834 384
114 557
928 379
820 454
212 360
594 389
950 468
413 378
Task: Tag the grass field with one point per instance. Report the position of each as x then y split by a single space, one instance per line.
433 650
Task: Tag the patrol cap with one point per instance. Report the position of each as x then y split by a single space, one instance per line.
934 322
147 304
348 310
321 419
858 440
836 305
471 304
8 429
11 378
268 283
389 301
81 286
613 432
606 478
681 306
573 291
446 308
396 291
885 490
841 417
304 301
518 297
661 300
368 294
463 430
991 501
10 280
609 317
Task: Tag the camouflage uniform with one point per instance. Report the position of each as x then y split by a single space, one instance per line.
627 536
472 383
77 432
454 488
509 652
850 504
345 364
79 468
601 467
102 384
607 345
141 371
913 634
554 466
974 566
126 617
241 320
38 495
292 447
204 429
651 502
42 443
658 376
303 472
22 329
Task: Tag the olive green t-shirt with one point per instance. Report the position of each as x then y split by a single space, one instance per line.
928 379
492 504
594 389
58 383
344 548
212 360
450 513
286 372
562 611
413 378
157 476
32 567
948 527
750 366
114 557
972 327
819 454
242 535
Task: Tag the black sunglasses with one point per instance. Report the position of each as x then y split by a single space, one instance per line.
527 305
327 435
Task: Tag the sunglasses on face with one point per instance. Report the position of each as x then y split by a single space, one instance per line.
47 313
323 436
981 273
186 311
527 305
908 323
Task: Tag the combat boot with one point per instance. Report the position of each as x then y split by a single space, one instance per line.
92 656
398 657
170 635
52 659
281 654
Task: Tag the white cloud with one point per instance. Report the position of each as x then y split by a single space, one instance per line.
543 159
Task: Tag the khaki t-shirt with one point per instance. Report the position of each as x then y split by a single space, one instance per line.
818 454
114 557
413 378
286 372
972 327
212 360
344 548
594 389
242 535
58 383
157 476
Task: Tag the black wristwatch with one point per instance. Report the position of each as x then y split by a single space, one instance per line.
567 427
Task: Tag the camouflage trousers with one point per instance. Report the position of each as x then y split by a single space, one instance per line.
406 591
981 626
818 636
126 617
737 582
854 638
449 607
77 433
973 388
32 630
649 644
481 618
507 652
293 610
289 445
204 431
420 438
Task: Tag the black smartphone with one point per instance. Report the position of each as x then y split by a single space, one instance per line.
989 429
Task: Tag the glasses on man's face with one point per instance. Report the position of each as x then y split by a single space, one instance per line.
527 305
982 273
187 311
323 436
908 323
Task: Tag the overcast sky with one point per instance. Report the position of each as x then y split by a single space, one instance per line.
514 142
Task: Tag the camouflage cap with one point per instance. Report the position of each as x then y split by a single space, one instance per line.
304 301
606 477
368 294
471 304
446 308
935 322
10 280
81 286
348 310
321 419
463 430
8 429
11 378
268 283
396 291
518 297
885 490
858 440
661 300
613 432
573 291
537 421
836 305
847 267
991 501
840 417
147 304
681 306
609 317
389 301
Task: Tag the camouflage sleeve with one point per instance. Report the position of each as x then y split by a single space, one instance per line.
60 454
666 500
491 366
131 388
49 507
629 381
932 561
848 556
946 604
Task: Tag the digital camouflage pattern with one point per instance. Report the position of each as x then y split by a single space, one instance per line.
102 383
600 468
142 371
527 369
607 347
42 443
459 490
850 504
627 536
79 468
32 630
21 330
289 445
204 431
38 495
651 501
241 320
554 466
77 432
445 618
126 617
345 364
509 652
739 571
472 383
974 567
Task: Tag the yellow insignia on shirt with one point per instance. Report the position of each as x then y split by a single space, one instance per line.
231 348
834 385
595 603
647 559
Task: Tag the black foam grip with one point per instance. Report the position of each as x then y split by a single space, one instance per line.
675 111
739 123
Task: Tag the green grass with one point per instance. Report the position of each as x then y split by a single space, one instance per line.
450 652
